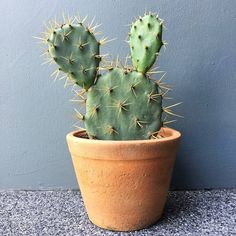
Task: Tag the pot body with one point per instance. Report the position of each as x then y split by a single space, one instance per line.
124 184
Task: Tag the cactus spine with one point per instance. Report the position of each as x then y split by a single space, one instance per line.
124 103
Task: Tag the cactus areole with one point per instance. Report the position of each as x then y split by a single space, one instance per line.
122 102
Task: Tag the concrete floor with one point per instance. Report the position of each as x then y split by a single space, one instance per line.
62 213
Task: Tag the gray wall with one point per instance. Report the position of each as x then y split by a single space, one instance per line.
35 114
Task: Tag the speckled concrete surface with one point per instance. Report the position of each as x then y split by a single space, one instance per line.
62 213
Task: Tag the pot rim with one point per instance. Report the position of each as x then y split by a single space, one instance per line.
172 134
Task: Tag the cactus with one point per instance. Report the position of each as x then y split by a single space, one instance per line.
145 42
76 52
123 106
123 103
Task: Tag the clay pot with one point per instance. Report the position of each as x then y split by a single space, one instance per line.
124 184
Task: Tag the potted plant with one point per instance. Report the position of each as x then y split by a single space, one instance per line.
124 157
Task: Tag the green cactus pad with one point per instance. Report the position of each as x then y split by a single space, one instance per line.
123 106
76 51
145 42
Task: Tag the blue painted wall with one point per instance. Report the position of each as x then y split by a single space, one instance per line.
35 114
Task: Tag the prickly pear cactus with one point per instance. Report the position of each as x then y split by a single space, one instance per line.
123 106
76 52
145 42
123 103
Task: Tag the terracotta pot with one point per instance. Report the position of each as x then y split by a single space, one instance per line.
124 184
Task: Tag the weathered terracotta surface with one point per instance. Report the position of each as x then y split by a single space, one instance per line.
124 184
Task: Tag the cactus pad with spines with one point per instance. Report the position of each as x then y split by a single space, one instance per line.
123 106
145 42
123 103
76 51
